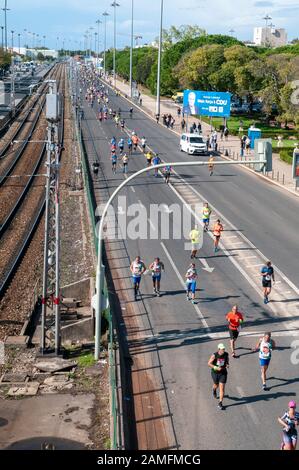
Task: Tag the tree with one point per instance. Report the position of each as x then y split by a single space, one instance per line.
40 57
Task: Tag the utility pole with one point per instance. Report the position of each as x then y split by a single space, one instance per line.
19 39
159 60
114 5
51 284
12 87
131 49
5 9
2 35
105 14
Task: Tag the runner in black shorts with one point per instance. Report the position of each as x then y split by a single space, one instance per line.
267 273
219 363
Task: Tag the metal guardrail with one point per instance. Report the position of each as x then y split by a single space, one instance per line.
115 444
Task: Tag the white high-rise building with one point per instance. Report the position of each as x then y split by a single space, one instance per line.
270 37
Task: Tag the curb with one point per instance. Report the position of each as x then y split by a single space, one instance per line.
245 167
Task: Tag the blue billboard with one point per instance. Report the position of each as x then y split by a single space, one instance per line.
206 103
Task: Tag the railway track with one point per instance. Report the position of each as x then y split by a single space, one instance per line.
23 199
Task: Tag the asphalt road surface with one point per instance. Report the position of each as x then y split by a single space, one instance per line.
188 334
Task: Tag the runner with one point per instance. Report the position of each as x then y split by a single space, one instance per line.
143 144
211 165
194 236
235 319
219 363
206 213
137 269
156 161
125 160
267 273
122 123
116 119
167 172
191 277
131 112
156 268
121 145
114 162
289 421
130 145
135 140
218 228
149 157
265 346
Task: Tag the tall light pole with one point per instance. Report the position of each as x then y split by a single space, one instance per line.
12 33
131 49
232 32
25 37
5 9
44 38
19 39
2 35
267 18
105 14
114 5
95 43
159 59
90 37
98 22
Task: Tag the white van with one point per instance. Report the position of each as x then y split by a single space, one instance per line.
193 144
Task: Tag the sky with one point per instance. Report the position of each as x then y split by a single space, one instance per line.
68 20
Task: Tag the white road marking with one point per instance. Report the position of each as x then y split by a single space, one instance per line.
184 285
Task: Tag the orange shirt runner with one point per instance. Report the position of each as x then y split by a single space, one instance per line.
218 228
234 319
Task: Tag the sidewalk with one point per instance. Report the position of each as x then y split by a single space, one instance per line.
282 172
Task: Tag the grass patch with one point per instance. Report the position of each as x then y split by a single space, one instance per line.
107 444
86 360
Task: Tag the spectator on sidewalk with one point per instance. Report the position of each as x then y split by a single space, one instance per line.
226 133
183 124
194 127
158 118
247 144
179 112
199 128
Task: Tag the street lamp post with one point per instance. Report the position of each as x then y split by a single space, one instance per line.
131 49
105 14
267 18
12 33
19 39
90 38
5 9
2 36
114 5
159 60
95 44
98 22
44 37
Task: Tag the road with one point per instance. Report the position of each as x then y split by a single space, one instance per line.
185 334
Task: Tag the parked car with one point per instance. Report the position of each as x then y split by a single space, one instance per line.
193 144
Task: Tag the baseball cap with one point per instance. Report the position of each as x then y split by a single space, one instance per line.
221 346
292 404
